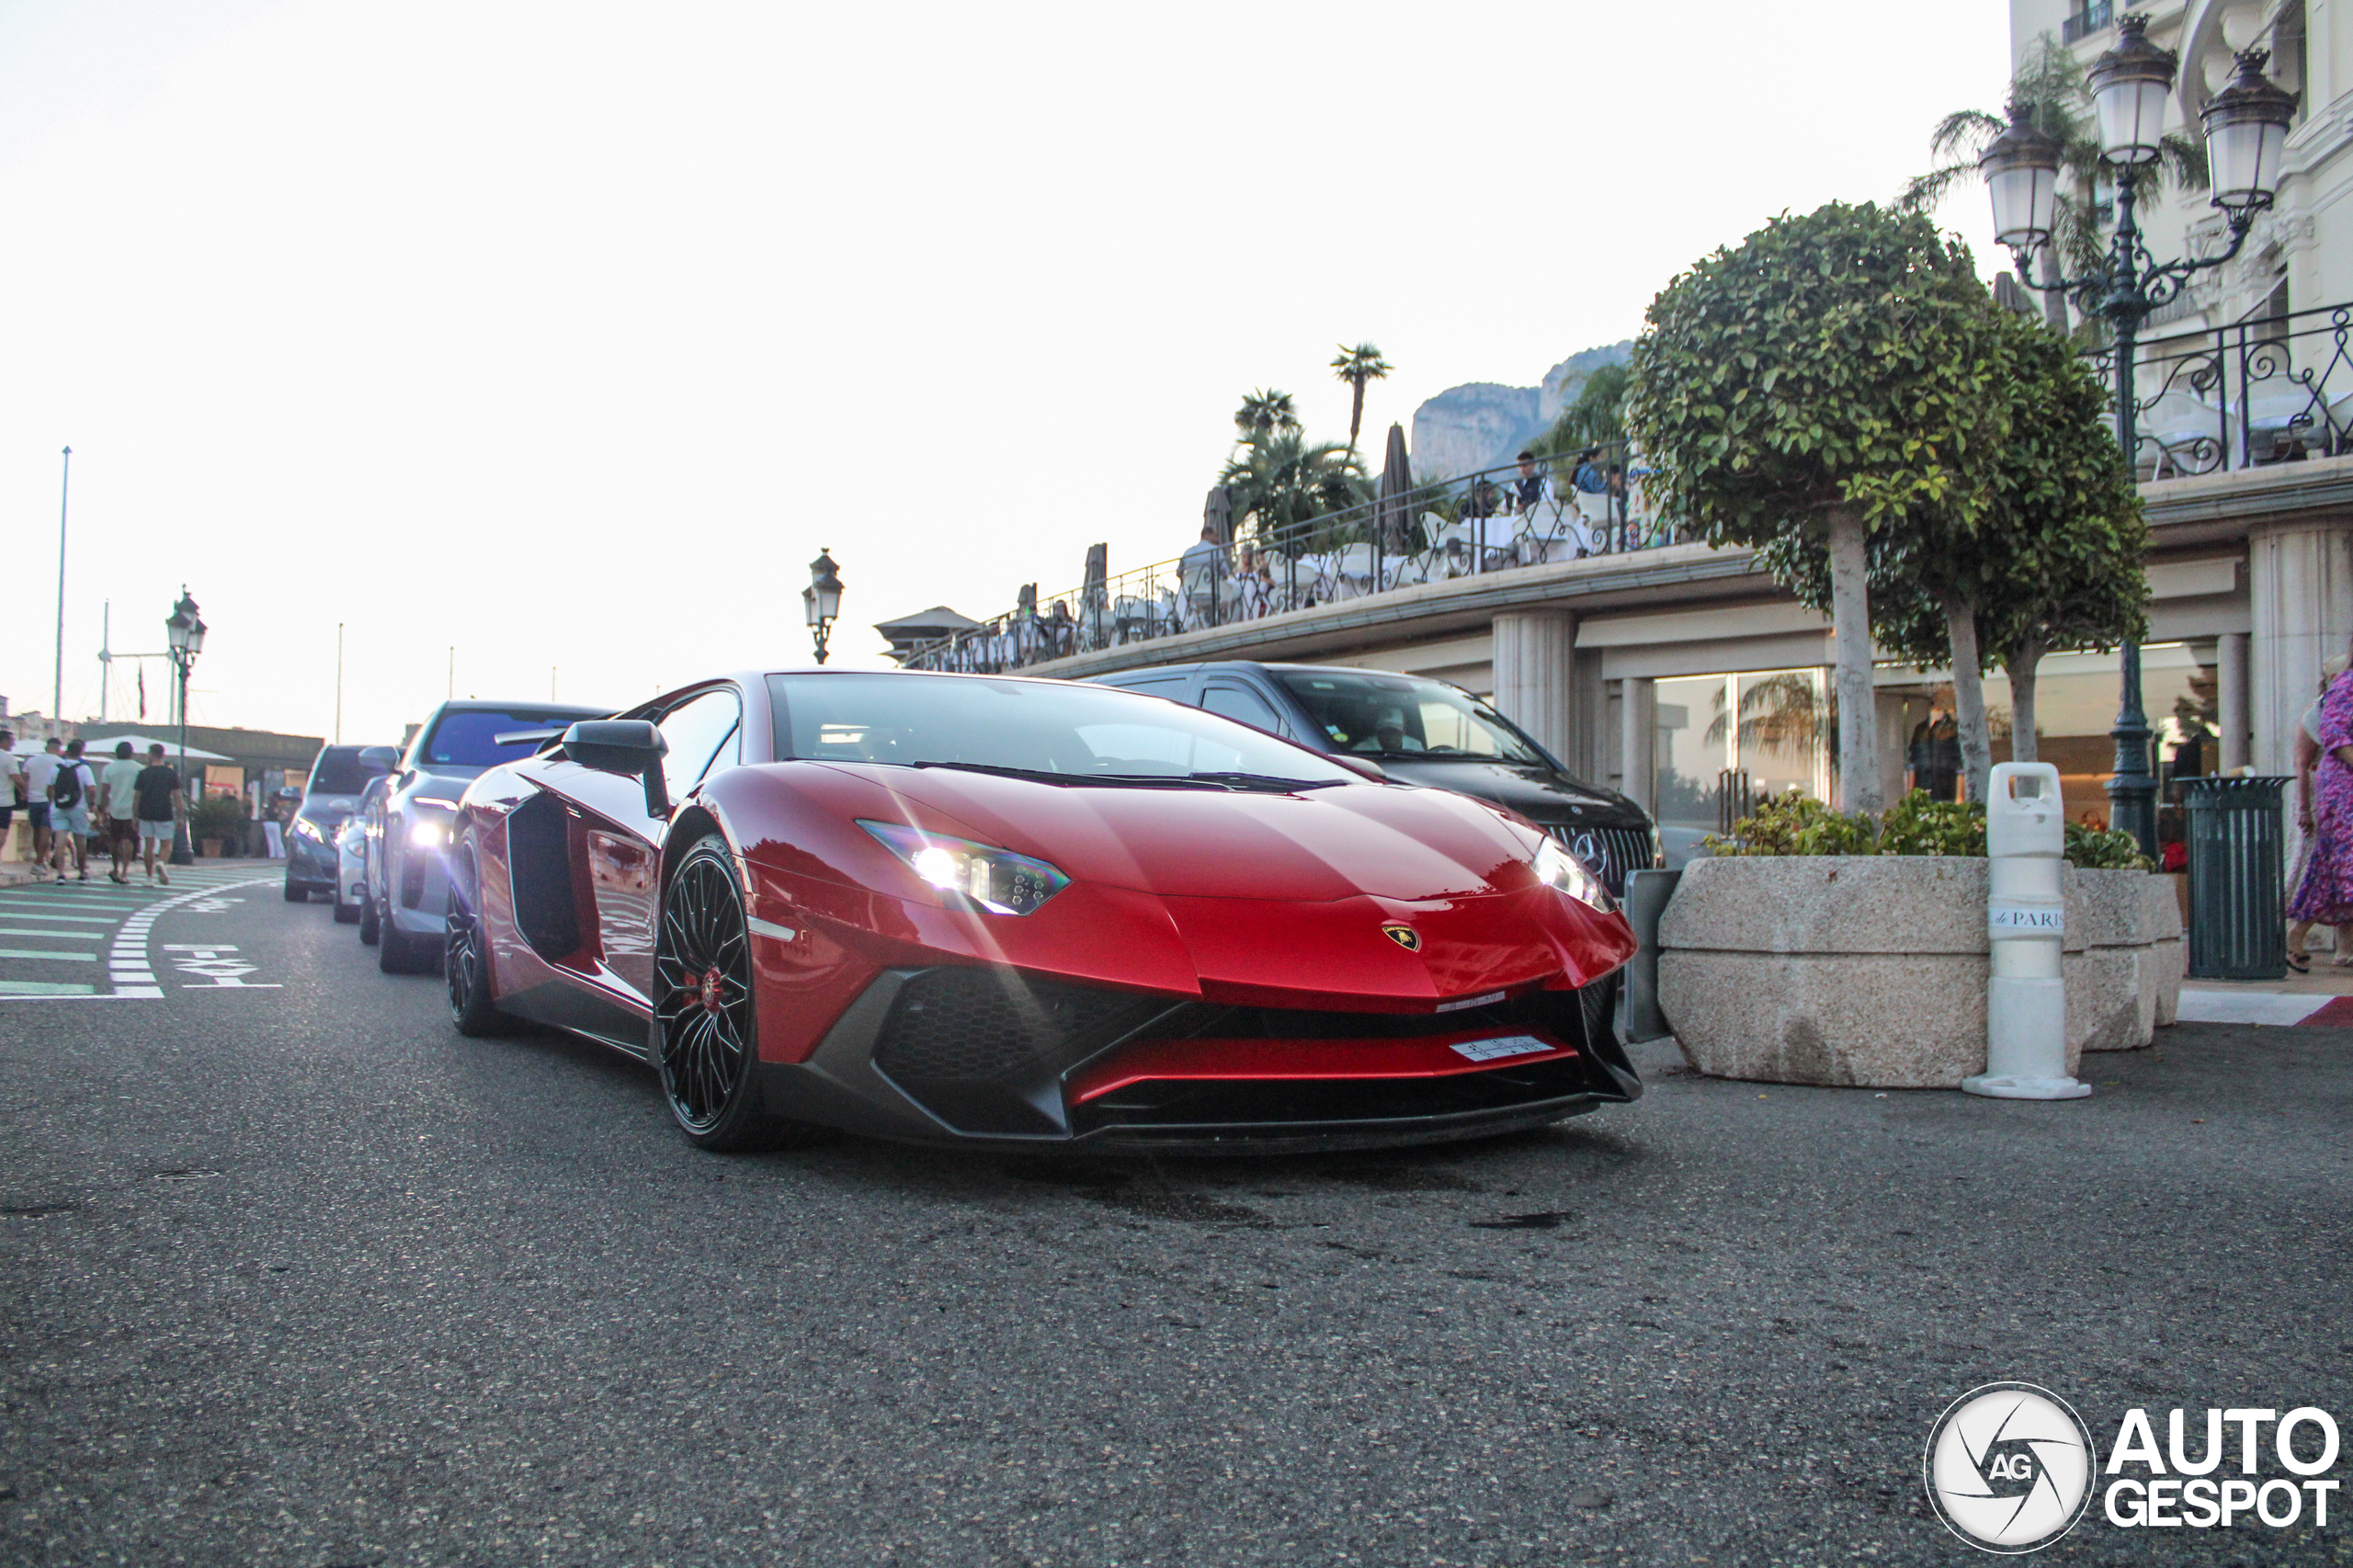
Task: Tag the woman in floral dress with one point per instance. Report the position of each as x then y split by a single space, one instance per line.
2325 894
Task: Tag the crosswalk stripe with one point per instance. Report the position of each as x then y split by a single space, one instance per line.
42 988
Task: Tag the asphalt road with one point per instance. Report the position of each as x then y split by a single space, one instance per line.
299 1275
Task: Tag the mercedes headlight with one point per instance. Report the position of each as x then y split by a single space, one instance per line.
1557 868
309 829
426 835
997 879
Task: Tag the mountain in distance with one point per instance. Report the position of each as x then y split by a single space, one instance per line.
1483 424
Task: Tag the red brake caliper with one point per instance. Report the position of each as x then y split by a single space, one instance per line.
710 989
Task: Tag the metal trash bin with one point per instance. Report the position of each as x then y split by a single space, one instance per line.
2237 907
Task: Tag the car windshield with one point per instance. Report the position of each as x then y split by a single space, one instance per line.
1050 731
1405 718
467 738
339 771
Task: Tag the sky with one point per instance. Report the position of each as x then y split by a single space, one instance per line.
564 336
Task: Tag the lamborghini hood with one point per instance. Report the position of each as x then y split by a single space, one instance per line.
1312 846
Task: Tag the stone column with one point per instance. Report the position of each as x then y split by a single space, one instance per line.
2300 591
1535 676
1638 744
2230 700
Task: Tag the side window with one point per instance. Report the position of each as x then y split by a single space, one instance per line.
1166 685
699 730
1241 702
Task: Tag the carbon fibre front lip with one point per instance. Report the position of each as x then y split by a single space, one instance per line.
839 1085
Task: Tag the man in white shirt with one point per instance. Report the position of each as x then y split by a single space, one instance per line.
116 782
11 782
40 771
68 820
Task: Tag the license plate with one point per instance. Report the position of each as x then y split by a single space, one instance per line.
1509 1045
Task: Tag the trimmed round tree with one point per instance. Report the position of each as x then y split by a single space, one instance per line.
2051 564
1827 380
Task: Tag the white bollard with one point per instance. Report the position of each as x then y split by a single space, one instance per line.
2026 922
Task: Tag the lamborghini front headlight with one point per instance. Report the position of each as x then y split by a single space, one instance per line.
998 880
1557 868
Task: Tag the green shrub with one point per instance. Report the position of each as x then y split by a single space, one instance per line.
1919 826
1800 825
217 816
1797 825
2105 849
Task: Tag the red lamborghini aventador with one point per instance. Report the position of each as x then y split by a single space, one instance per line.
966 909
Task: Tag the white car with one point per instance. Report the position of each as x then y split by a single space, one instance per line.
351 859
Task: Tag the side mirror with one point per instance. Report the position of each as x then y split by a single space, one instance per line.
634 748
1363 767
380 759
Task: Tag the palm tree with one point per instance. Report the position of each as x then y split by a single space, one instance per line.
1356 365
1278 480
2048 93
1265 413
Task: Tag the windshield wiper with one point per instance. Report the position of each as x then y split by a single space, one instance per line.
1046 776
1265 781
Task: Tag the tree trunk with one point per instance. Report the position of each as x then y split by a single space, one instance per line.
1851 621
1969 694
2020 666
1356 412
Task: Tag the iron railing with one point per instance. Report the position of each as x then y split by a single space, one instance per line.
1487 522
2274 389
2096 14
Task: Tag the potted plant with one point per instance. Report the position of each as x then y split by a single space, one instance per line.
216 820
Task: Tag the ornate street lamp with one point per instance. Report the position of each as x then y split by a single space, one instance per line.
822 599
2246 126
185 631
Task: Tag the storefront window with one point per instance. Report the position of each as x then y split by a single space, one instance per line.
2076 700
1742 736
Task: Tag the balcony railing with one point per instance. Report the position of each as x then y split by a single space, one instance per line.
1488 521
2096 14
2277 389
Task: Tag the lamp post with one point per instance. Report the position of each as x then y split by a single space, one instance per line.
186 629
2246 128
822 599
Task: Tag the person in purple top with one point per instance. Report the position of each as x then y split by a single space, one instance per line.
2325 894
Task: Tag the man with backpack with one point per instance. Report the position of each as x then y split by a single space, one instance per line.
69 811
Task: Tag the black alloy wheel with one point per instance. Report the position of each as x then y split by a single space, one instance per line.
705 1026
465 961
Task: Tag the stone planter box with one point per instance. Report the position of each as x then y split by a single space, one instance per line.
2128 982
1870 970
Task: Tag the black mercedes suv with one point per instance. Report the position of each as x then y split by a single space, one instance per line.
1420 732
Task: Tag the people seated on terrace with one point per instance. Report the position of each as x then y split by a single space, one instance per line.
1529 492
1253 584
1482 500
1206 554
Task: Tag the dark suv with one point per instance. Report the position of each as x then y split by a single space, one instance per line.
1420 732
332 794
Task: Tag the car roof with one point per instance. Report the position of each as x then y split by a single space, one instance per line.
536 705
1264 665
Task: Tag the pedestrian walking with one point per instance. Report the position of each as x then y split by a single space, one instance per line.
39 773
120 822
156 796
69 811
12 783
2325 893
